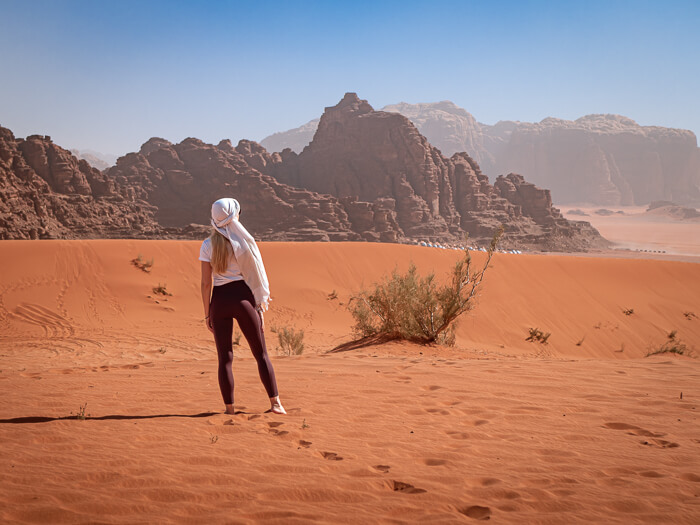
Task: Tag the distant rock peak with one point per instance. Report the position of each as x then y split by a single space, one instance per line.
351 103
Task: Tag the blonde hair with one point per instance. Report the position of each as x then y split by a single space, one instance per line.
220 251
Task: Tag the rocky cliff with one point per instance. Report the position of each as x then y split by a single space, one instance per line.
47 193
597 159
367 175
603 159
182 180
382 158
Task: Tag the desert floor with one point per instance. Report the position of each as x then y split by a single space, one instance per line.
630 228
583 429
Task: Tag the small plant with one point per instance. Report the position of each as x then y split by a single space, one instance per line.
162 350
304 425
628 311
161 290
141 264
538 336
673 345
413 308
580 341
690 316
332 295
213 438
291 342
81 412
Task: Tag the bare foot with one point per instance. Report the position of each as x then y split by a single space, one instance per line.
229 409
276 406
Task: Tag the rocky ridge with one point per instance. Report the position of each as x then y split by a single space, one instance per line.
47 193
367 175
596 159
381 158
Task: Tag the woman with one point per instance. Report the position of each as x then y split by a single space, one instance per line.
241 292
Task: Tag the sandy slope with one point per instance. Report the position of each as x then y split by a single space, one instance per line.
394 434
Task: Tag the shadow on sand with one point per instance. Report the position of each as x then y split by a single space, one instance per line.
40 419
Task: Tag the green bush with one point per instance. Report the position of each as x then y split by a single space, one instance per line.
413 308
673 345
291 342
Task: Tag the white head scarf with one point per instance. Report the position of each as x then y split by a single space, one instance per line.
224 217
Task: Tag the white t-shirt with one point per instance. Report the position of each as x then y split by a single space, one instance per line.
233 271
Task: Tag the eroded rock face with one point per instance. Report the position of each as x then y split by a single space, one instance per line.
380 157
47 193
604 159
367 175
296 139
182 180
596 159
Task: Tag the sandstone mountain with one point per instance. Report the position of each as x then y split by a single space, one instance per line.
367 175
381 157
296 139
47 193
182 180
98 160
597 159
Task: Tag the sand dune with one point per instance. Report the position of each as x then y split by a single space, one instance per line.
495 427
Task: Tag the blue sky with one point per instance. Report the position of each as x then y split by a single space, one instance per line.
109 75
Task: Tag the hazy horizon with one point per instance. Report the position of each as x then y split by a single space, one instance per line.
107 77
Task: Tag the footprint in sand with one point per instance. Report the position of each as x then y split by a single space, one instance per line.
476 512
651 474
457 435
690 477
431 462
440 411
488 482
305 444
274 424
634 430
660 443
406 488
332 456
382 468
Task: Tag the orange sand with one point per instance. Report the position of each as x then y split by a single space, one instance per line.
636 230
495 427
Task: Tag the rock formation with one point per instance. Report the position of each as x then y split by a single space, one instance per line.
367 175
47 193
604 159
97 160
380 157
182 180
597 159
296 139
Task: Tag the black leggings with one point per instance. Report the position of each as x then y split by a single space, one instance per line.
231 301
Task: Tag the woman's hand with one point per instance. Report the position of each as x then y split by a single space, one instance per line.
262 319
210 324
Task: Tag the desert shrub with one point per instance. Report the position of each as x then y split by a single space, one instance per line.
161 290
413 308
332 295
142 264
628 311
291 342
538 336
673 345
